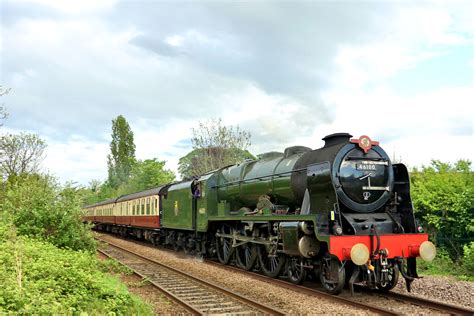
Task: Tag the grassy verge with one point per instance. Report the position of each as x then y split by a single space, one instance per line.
39 278
444 265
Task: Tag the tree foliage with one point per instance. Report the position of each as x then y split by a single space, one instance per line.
191 164
3 109
149 173
20 154
144 175
39 207
443 196
122 152
214 146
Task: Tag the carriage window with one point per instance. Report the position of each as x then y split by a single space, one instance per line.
148 206
143 206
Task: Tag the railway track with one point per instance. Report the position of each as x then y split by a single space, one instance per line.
442 307
418 301
309 291
415 300
197 296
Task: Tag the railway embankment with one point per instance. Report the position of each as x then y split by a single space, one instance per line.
39 278
47 255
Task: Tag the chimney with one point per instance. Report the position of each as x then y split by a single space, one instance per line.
336 138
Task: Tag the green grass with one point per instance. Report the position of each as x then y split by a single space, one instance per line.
39 278
443 265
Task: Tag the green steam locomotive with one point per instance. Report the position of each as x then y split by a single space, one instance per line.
342 212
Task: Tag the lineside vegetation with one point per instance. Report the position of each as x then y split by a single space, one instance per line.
47 256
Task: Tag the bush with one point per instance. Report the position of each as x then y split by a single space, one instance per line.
443 264
39 278
468 259
39 207
443 197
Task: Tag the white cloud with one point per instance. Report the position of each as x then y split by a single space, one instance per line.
471 64
431 125
77 159
174 40
154 141
413 34
73 72
76 7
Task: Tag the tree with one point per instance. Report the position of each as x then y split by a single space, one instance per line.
144 175
39 207
20 154
148 174
122 152
443 196
214 146
3 109
191 165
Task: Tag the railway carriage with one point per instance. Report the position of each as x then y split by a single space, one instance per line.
342 212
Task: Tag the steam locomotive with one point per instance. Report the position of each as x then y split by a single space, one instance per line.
342 212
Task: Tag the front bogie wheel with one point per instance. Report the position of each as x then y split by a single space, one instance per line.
332 275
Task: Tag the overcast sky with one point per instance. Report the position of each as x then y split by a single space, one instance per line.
288 72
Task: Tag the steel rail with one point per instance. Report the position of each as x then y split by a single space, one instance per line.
185 305
246 301
416 300
306 290
421 301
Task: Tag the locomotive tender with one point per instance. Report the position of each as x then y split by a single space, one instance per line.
342 211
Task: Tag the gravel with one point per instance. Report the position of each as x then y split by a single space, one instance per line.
287 300
438 288
160 303
149 294
441 288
